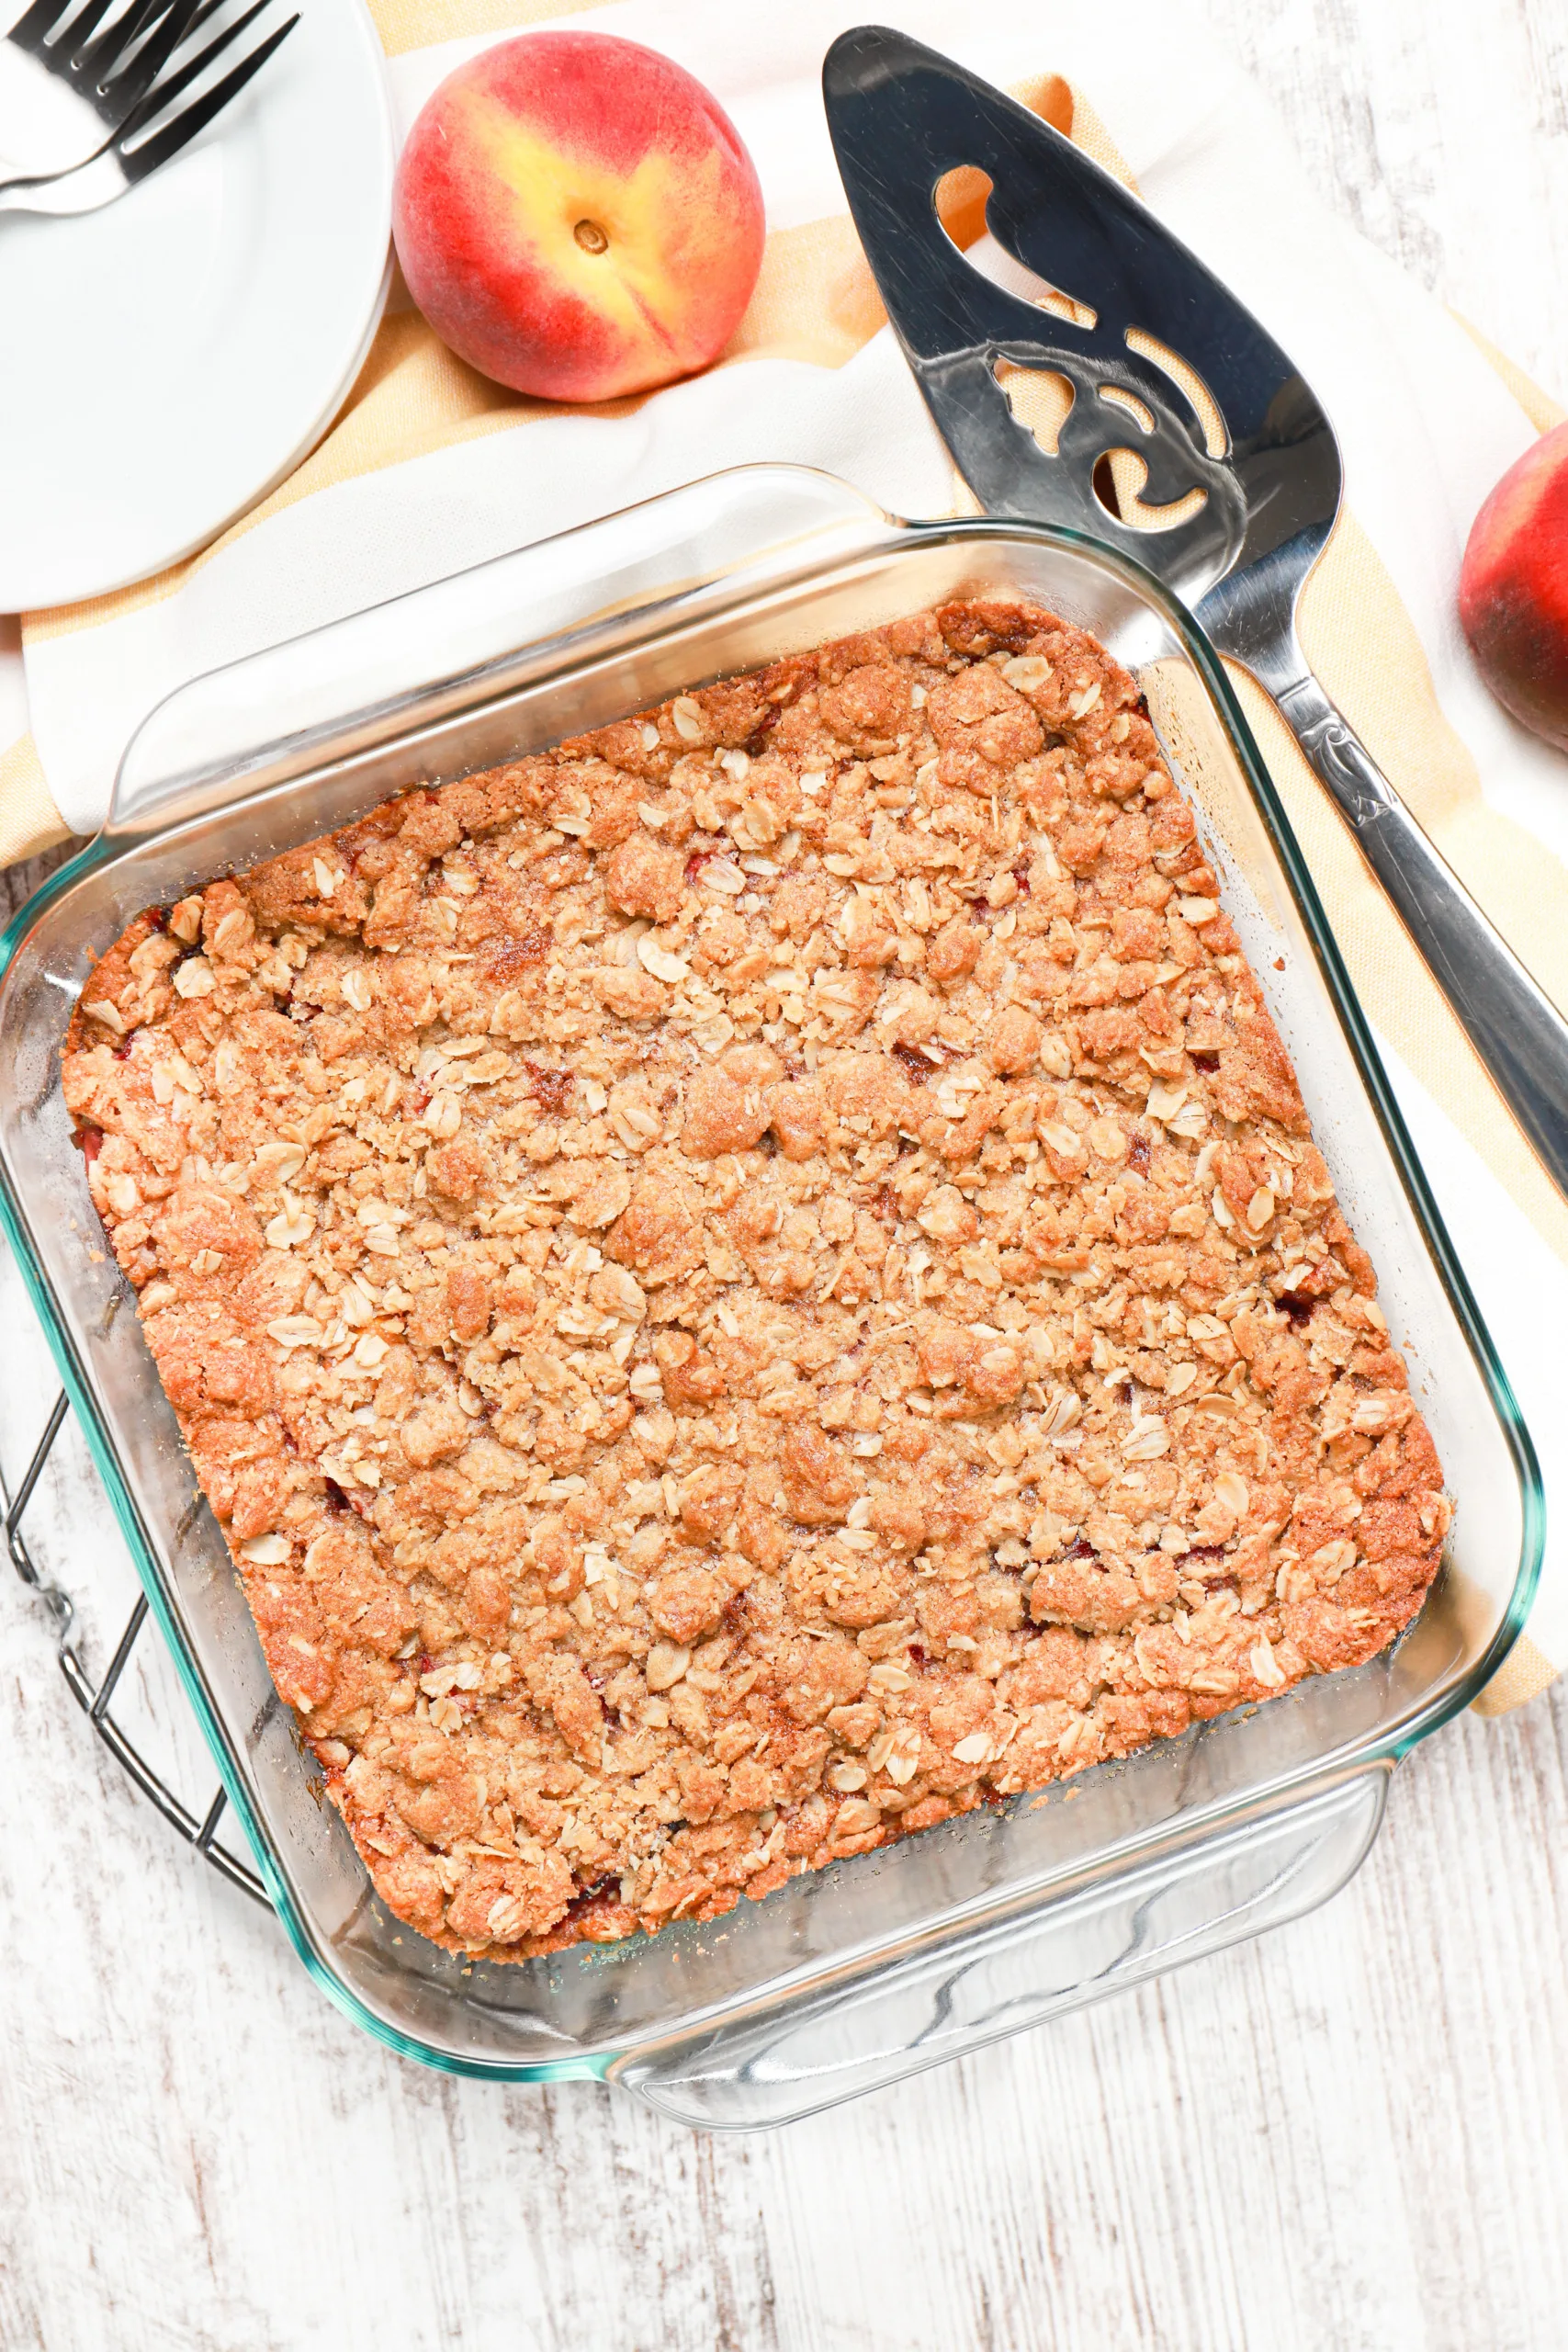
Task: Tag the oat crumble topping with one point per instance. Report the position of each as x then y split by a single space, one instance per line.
752 1282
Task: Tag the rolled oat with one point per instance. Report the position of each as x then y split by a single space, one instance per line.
752 1283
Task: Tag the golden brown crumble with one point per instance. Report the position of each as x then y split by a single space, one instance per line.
752 1282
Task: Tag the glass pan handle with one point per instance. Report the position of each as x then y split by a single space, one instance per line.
500 625
939 2004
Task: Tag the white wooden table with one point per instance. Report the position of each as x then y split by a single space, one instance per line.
1352 2135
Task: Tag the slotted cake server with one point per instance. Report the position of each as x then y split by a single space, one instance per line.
1256 495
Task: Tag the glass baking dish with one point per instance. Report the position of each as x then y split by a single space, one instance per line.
851 1977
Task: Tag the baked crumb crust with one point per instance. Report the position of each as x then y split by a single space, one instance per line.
752 1282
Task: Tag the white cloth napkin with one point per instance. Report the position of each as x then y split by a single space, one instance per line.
1425 424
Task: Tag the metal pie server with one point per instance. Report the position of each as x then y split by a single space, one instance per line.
1269 470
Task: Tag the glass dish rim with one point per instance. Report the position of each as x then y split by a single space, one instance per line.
1385 1749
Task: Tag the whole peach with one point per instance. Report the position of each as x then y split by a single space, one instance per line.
1513 589
577 216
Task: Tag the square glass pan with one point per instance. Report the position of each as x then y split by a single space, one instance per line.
852 1976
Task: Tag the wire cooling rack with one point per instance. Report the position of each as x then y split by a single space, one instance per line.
95 1700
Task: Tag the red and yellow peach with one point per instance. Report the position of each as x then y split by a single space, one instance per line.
1513 594
576 216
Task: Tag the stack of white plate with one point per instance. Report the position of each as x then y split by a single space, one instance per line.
166 362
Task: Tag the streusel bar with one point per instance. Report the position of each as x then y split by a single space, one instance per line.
752 1282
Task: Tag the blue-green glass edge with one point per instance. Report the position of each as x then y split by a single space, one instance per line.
1353 1021
1391 1118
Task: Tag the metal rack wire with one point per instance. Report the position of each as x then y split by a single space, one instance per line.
95 1700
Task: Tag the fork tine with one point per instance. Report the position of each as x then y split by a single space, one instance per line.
77 37
164 24
150 102
137 162
208 8
132 77
99 58
32 30
128 28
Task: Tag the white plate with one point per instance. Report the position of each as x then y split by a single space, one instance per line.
167 361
